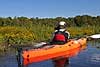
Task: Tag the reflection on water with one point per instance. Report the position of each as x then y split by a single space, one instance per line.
87 58
96 43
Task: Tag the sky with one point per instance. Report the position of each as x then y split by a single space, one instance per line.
49 8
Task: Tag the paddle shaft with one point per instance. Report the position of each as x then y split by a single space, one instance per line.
18 57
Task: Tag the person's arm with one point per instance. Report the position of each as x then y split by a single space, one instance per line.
67 34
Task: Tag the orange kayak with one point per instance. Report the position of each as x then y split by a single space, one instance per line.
69 49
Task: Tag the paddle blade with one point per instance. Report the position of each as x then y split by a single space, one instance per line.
95 36
38 45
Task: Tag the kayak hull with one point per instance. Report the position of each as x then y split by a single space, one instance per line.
69 49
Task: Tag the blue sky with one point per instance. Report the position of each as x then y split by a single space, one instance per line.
49 8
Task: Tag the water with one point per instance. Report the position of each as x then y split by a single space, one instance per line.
86 58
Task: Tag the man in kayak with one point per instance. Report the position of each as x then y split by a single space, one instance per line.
60 37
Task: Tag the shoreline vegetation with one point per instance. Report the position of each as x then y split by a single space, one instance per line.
21 31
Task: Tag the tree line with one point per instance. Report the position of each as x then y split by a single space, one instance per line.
84 20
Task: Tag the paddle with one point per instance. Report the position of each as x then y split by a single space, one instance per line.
39 45
95 36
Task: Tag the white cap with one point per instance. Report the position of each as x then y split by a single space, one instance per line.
62 23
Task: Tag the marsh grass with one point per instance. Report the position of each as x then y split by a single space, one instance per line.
15 35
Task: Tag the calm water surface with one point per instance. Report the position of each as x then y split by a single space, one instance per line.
86 58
